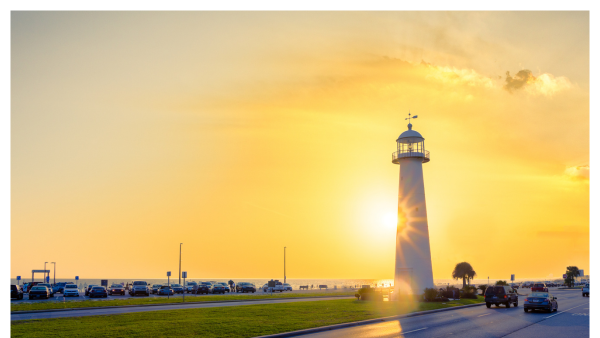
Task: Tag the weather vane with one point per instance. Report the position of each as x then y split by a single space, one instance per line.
408 118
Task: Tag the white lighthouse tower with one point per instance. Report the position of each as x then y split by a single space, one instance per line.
413 256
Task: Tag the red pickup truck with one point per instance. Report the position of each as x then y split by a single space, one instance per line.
541 287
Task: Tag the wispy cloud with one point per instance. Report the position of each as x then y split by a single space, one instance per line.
453 76
578 172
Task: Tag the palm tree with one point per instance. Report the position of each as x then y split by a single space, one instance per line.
465 271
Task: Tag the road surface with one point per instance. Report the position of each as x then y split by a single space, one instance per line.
571 320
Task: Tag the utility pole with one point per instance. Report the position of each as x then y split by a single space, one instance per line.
180 263
54 272
284 276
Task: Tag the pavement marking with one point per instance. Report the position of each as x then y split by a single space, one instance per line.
413 331
487 314
564 311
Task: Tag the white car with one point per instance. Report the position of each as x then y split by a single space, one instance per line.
279 288
71 290
287 287
586 290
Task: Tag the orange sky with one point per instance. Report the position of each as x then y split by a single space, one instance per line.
240 133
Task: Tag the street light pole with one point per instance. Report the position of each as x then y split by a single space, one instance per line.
284 276
180 263
54 272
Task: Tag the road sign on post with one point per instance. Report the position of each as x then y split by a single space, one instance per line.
47 279
512 277
564 276
168 283
19 280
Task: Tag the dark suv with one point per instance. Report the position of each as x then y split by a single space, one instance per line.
16 292
501 294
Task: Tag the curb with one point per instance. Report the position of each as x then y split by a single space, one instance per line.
364 322
165 304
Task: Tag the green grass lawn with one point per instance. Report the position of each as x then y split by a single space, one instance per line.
242 321
45 305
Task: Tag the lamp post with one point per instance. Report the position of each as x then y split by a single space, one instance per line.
284 264
180 263
54 272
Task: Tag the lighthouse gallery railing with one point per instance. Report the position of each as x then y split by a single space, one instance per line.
402 154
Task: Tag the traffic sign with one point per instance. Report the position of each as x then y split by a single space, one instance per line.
168 273
47 279
18 277
564 275
184 274
581 273
512 277
76 277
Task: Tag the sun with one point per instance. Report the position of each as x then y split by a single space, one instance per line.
390 220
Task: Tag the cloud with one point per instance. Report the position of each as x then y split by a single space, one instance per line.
578 172
518 81
545 84
453 76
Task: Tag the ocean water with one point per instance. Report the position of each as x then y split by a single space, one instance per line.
294 282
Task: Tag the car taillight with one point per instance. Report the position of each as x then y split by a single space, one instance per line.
526 299
547 299
504 296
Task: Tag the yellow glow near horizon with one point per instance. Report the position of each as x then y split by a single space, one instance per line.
239 133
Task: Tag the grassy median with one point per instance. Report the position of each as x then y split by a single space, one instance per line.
242 321
46 305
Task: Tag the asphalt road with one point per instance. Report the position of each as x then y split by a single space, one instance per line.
122 310
571 320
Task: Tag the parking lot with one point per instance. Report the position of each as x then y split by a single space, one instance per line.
60 298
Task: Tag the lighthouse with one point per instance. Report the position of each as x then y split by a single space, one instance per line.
413 271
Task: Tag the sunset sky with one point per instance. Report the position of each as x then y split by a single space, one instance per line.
239 133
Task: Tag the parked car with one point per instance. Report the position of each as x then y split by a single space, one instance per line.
71 290
245 287
16 292
60 287
98 291
201 288
190 286
49 286
139 287
217 288
89 288
155 288
166 290
116 289
39 292
539 287
501 294
177 288
586 290
28 286
226 286
287 287
540 301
